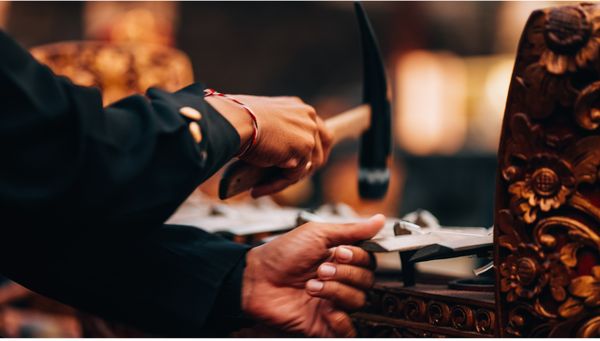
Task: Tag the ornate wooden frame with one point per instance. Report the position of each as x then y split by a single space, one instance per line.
547 213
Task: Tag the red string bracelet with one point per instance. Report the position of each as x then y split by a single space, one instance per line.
248 145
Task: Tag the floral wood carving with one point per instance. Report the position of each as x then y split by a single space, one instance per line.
548 191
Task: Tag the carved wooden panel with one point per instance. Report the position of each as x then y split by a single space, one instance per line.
426 311
547 214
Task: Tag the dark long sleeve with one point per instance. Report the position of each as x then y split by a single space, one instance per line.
84 191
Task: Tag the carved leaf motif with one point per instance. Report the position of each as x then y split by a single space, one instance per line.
548 240
509 227
508 242
505 221
587 107
541 310
568 254
583 286
585 158
525 135
570 308
594 300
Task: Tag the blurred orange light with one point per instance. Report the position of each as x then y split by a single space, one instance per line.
430 102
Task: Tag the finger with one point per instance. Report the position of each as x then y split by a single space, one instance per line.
340 234
342 295
341 324
354 276
326 138
347 254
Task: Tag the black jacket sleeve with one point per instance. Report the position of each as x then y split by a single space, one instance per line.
84 191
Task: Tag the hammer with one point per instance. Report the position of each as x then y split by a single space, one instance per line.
371 121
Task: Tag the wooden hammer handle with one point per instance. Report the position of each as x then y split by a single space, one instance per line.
241 176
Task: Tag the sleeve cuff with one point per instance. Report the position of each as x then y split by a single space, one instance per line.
218 141
227 313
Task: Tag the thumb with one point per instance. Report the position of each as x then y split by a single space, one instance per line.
343 234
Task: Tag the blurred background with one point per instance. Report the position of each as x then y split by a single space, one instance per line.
448 63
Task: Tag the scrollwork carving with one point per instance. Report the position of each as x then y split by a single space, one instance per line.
485 321
590 328
438 313
548 199
462 317
415 309
391 305
587 107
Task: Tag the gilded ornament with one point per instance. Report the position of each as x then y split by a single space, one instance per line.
548 205
548 182
520 273
587 287
587 107
545 90
572 39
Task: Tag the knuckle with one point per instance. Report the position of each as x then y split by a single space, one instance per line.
363 257
309 145
312 112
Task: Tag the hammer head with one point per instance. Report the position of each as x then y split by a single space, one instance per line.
376 142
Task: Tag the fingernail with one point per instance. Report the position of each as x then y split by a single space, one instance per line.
314 285
377 218
344 254
327 270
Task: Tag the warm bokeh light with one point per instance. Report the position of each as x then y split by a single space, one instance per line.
489 79
146 22
4 6
429 111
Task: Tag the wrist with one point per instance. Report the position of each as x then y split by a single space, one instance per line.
235 115
248 282
253 285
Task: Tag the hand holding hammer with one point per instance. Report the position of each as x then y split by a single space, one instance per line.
371 121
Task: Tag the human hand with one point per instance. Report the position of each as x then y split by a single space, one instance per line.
304 281
292 137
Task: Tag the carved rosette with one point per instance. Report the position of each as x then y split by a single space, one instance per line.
548 197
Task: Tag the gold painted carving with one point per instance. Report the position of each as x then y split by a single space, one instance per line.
548 198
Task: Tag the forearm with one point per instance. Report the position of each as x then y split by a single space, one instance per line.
72 161
177 281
